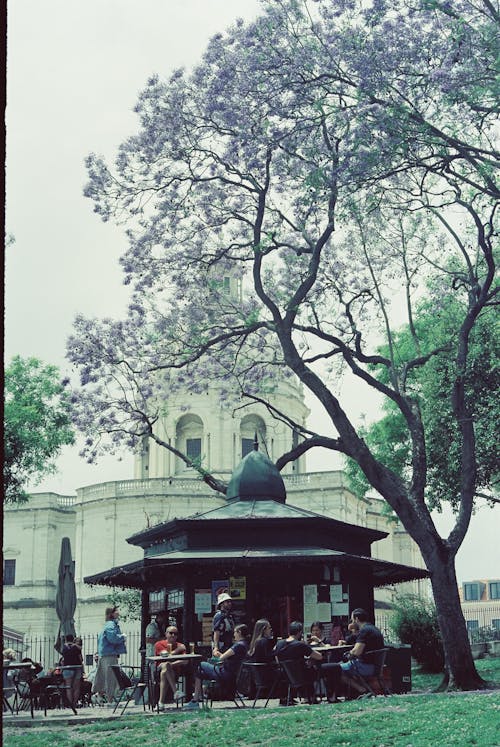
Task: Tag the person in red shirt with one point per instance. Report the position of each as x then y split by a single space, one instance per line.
169 671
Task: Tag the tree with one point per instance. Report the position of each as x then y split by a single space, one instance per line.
388 439
331 171
129 602
37 424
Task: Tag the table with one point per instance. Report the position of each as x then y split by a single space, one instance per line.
191 659
332 653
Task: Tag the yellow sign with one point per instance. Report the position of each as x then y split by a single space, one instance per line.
238 587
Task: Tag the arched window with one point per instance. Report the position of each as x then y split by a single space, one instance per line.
189 439
251 425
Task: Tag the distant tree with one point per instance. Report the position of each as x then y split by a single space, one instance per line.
129 602
37 424
330 157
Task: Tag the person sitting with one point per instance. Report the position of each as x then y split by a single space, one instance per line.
294 648
169 671
352 635
261 645
316 637
226 671
369 639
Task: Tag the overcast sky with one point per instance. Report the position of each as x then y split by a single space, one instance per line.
74 70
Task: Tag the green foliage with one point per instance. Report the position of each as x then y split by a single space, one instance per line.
414 621
129 602
431 385
36 424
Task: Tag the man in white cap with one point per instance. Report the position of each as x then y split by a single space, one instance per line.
222 625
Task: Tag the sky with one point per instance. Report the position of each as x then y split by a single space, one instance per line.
74 71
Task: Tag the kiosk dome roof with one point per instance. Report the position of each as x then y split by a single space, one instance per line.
256 478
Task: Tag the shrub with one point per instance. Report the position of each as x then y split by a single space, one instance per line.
414 621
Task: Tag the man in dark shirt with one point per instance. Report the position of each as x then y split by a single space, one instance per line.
293 648
368 639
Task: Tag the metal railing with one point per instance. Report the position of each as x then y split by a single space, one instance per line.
41 649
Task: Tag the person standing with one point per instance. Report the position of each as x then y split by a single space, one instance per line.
223 625
110 644
72 658
155 631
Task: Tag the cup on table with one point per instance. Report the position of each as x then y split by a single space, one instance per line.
191 648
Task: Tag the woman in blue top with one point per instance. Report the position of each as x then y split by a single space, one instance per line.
227 670
110 644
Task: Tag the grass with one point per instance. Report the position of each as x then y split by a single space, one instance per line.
423 720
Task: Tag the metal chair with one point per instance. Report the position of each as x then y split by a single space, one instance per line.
220 690
377 658
266 678
25 695
57 692
127 688
299 678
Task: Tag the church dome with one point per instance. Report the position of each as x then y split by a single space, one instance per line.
256 478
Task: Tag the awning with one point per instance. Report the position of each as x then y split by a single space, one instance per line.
143 573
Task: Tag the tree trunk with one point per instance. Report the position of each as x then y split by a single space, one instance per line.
460 670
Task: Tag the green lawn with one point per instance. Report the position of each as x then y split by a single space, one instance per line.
417 720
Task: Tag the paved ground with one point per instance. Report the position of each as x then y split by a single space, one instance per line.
97 713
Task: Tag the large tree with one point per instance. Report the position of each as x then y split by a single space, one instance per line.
37 424
330 158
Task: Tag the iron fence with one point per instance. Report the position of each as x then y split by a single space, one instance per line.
41 649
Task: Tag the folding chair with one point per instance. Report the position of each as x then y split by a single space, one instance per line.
127 688
25 696
298 677
220 690
266 678
377 658
57 692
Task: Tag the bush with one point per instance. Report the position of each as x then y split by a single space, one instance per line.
414 621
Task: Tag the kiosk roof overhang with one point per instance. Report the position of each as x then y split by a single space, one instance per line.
142 573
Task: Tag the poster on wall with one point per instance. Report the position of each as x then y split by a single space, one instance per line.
310 594
238 587
219 587
340 608
202 601
336 593
323 611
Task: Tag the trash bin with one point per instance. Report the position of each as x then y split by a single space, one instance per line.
399 663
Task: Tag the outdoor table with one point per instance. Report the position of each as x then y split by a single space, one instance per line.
332 653
191 659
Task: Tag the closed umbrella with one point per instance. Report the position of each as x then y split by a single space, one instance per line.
66 595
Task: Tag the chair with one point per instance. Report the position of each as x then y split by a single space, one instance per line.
265 679
127 688
25 694
57 692
299 678
220 690
377 658
8 690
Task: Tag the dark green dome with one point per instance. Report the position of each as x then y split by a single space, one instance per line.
256 478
